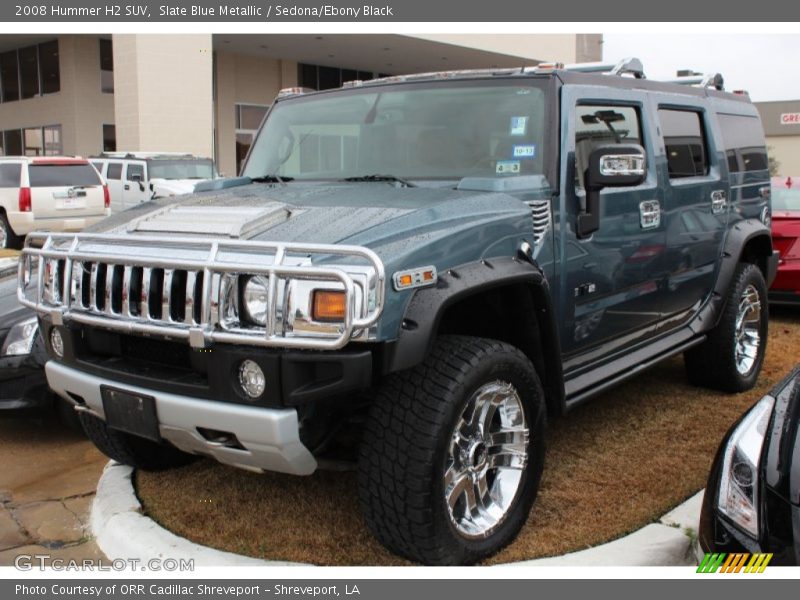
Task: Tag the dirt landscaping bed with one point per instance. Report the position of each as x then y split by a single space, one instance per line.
613 465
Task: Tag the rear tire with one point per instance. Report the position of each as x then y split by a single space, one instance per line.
8 239
453 452
131 450
730 359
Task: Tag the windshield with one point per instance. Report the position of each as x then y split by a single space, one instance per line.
411 131
785 199
181 168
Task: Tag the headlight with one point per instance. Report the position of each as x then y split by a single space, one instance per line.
254 300
20 338
738 489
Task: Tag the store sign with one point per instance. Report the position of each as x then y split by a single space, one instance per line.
790 118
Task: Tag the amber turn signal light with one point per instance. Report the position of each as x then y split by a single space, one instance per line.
328 305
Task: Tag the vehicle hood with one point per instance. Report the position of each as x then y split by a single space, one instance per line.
172 187
377 215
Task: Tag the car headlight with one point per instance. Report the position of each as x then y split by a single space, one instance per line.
20 338
255 300
738 489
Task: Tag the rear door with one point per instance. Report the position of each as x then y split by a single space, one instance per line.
134 188
65 188
695 205
609 282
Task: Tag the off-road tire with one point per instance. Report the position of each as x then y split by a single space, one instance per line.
712 364
131 450
407 437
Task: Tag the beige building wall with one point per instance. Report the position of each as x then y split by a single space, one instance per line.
786 150
244 79
163 93
80 107
566 47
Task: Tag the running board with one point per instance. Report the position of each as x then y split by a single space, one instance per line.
597 381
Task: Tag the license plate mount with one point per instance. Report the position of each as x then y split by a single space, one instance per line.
131 412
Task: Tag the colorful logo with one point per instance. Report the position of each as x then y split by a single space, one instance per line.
734 563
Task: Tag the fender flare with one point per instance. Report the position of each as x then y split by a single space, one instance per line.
424 312
739 237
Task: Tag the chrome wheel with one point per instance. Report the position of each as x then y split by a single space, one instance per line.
3 234
748 330
486 460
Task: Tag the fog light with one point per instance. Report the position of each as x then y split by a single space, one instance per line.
57 342
251 378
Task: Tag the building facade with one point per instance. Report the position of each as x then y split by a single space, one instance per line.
207 94
781 122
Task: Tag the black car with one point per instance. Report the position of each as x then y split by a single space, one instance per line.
22 355
752 500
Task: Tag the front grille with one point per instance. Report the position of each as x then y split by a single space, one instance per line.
133 292
540 211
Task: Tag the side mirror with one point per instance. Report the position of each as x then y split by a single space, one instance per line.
623 165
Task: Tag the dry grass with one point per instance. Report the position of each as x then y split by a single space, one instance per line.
613 465
7 253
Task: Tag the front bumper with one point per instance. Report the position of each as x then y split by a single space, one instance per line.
786 287
268 439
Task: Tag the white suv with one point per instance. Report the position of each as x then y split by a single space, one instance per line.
51 193
135 177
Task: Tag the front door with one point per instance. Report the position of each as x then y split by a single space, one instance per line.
609 281
134 188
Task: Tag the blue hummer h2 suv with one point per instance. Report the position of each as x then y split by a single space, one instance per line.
411 274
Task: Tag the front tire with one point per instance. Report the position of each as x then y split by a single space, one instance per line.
131 450
731 358
453 452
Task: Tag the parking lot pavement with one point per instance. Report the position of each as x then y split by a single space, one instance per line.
47 485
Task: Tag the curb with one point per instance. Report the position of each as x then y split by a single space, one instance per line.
122 531
8 266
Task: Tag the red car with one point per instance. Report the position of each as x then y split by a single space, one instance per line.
786 237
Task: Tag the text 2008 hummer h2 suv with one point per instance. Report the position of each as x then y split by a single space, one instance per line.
421 268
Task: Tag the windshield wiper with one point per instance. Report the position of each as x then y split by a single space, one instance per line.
390 178
271 179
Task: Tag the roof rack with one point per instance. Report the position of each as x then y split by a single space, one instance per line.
710 80
627 66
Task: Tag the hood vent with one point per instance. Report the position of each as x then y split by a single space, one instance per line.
240 222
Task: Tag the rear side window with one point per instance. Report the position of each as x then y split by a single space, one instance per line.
745 148
114 170
9 175
55 175
133 170
685 142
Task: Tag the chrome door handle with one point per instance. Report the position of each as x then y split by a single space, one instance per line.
719 200
650 214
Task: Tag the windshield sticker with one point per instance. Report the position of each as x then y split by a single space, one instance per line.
525 151
519 125
507 167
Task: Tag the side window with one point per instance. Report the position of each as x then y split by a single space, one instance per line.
744 143
133 171
114 170
9 175
685 142
597 125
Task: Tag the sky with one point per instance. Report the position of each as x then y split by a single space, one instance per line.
766 65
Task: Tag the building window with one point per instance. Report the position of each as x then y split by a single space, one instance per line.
106 66
248 119
49 67
318 77
9 76
34 145
29 72
52 140
12 142
109 138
